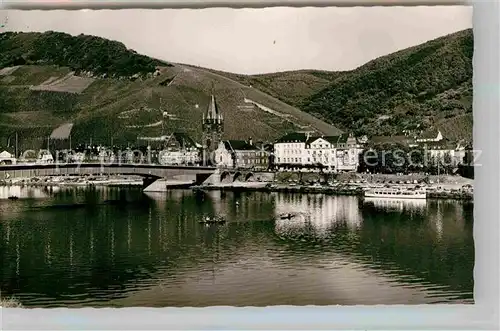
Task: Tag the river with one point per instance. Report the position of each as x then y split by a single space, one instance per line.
64 247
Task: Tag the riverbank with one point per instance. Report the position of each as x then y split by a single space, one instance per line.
348 190
448 188
76 181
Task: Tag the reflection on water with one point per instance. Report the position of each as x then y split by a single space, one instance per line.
26 192
317 211
150 250
398 204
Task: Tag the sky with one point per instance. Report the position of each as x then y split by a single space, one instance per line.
252 41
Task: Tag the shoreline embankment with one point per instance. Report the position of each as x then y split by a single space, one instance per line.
442 187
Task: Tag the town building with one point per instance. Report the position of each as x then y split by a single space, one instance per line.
45 157
430 136
60 138
179 149
290 150
213 128
445 151
241 154
7 158
174 149
321 152
329 153
335 153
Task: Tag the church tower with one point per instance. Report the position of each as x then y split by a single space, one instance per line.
213 128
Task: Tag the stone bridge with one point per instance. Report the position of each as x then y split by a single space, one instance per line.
228 176
150 172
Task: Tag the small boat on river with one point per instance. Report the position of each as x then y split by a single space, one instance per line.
287 216
212 220
13 197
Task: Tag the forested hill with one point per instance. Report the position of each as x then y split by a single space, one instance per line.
92 54
426 86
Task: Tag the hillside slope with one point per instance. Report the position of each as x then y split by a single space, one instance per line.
426 86
291 87
40 90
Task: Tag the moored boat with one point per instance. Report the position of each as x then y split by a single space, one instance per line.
395 193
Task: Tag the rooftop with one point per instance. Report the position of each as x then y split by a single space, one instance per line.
239 145
293 137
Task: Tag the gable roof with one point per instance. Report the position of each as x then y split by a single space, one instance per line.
62 132
442 144
184 140
329 139
429 134
239 145
5 155
293 137
342 139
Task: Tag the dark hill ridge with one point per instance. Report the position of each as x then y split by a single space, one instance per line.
426 86
79 53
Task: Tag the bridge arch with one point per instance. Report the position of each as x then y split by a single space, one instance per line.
224 176
237 176
249 177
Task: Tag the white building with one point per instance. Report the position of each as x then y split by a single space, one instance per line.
223 156
177 149
186 157
45 157
321 151
430 136
439 150
337 153
7 158
332 153
290 150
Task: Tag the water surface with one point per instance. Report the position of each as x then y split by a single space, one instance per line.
66 247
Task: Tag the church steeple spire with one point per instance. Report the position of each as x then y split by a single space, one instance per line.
213 112
213 128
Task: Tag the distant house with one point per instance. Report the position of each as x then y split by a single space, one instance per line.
439 150
7 158
290 150
175 149
241 154
301 150
44 157
430 136
60 138
347 153
336 153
